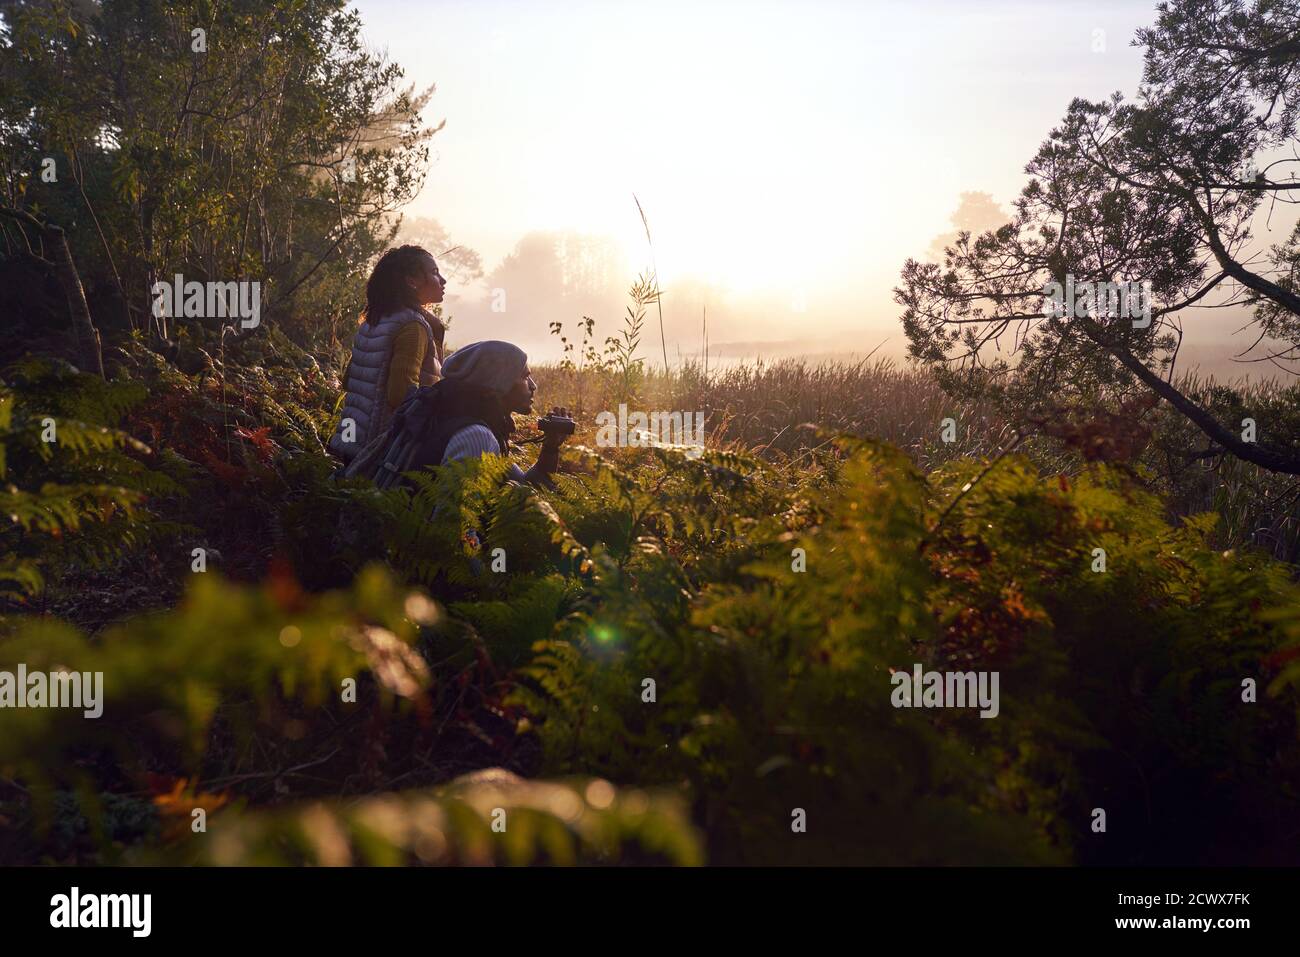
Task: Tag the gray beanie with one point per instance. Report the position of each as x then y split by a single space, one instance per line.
491 365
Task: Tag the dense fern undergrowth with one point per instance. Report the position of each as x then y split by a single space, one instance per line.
681 655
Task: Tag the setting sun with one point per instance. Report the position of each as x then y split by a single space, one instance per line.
784 156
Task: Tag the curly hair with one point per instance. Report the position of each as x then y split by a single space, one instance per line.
386 290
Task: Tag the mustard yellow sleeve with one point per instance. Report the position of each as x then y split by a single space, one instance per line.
404 370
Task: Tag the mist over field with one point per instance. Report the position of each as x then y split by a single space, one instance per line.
788 172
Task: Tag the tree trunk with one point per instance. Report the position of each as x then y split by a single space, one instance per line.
65 270
92 356
1265 456
157 324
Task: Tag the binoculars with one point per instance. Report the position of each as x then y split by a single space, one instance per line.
558 424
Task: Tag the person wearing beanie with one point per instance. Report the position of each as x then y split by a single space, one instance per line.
488 381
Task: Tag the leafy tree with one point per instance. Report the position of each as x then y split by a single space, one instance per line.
244 141
456 262
976 212
1160 190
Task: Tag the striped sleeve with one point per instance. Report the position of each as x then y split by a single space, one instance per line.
474 441
471 442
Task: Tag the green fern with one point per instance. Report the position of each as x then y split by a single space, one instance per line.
82 497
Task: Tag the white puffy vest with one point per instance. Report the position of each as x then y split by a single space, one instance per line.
366 407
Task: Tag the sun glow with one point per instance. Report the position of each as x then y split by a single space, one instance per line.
789 153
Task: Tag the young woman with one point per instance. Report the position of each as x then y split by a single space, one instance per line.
399 345
483 384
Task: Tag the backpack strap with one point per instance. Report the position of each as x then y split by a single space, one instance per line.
418 434
420 441
412 421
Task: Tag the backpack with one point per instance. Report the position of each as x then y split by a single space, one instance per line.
416 438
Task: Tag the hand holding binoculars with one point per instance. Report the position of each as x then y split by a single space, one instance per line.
557 422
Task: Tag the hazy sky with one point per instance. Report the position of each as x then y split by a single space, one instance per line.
791 153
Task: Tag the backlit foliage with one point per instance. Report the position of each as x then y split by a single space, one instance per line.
647 569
